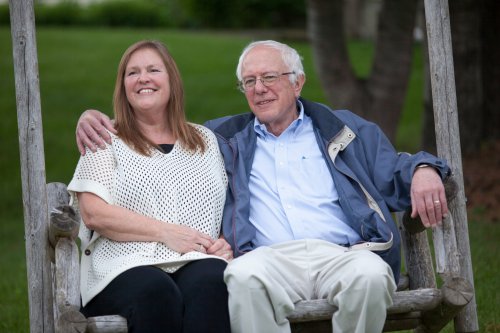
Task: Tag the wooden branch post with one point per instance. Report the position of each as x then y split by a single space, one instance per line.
29 120
448 141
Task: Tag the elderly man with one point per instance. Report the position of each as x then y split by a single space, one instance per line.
308 208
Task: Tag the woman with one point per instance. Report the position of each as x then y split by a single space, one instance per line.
151 203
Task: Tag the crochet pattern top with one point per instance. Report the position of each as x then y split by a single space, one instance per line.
180 187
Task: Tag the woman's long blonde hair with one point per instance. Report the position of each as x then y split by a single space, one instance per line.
125 122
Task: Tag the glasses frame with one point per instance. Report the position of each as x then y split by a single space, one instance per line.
241 85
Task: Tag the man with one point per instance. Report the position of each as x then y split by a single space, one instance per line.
308 208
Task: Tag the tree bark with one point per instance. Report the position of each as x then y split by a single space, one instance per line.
490 30
465 29
381 95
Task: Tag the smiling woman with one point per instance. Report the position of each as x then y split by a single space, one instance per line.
149 100
150 219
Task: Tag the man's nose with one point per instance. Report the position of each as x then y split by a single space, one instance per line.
259 86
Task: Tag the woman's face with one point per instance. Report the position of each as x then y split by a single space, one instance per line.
146 81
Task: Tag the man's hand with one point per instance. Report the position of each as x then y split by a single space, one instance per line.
428 197
91 131
221 248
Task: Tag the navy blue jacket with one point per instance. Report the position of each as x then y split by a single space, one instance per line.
371 178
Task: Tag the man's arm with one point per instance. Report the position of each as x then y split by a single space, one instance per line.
91 131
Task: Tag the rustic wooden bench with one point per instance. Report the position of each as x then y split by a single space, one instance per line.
418 304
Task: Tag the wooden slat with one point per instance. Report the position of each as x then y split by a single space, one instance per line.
107 324
29 120
437 18
404 301
418 258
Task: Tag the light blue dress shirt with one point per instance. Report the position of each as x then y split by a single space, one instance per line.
292 194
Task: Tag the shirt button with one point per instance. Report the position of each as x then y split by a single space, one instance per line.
87 252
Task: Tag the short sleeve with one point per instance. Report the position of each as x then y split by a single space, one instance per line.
95 174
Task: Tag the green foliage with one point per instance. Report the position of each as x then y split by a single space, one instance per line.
127 13
247 13
124 13
269 14
4 14
63 13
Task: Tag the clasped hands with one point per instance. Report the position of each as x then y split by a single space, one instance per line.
184 239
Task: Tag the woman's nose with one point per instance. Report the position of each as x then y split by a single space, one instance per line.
143 77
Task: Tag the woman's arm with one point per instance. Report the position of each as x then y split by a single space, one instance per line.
120 224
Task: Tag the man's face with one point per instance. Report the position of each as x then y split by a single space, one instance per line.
274 105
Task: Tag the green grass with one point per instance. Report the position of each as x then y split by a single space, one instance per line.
77 71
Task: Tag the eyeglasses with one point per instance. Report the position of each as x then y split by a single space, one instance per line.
267 79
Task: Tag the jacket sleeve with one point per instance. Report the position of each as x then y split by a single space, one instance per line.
390 172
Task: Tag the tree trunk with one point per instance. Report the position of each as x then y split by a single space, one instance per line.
379 97
491 68
465 28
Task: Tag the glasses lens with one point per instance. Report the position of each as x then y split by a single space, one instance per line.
249 82
269 78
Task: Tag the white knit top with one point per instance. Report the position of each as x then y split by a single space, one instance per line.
180 187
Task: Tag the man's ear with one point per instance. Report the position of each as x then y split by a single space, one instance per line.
299 83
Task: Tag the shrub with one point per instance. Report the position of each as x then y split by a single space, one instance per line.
127 13
4 15
64 13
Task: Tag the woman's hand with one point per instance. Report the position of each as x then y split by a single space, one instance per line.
221 248
184 239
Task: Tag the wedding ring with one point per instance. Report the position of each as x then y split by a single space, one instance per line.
437 202
201 248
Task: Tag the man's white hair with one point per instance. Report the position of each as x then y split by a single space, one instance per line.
291 58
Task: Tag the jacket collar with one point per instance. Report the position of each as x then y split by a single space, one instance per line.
323 118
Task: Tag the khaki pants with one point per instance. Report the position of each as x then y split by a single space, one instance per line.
265 283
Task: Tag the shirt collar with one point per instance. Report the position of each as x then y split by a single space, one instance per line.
261 129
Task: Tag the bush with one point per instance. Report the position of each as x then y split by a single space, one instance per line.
127 13
247 14
241 14
64 13
4 15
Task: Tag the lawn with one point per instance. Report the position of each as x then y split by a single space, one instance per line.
77 71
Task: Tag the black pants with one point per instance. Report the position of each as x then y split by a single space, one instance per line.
191 300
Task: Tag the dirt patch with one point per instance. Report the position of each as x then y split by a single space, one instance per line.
482 183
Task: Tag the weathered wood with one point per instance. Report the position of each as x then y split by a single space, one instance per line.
404 301
393 323
315 315
56 196
457 293
448 138
404 282
402 321
71 321
29 121
107 324
63 229
67 275
445 249
418 257
64 223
